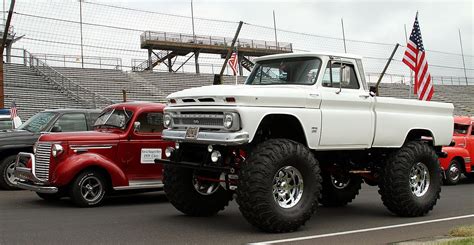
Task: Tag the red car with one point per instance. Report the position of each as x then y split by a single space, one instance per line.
459 154
86 166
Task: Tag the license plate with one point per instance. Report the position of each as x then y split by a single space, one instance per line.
192 132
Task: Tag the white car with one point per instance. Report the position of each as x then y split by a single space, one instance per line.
304 129
6 123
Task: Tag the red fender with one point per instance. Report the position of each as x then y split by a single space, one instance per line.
452 153
70 167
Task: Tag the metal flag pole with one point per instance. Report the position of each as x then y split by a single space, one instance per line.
411 72
238 62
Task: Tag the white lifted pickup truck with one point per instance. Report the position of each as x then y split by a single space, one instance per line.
304 129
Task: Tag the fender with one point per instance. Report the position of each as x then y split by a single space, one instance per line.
67 169
452 153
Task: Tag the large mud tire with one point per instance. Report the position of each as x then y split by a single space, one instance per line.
259 187
403 186
181 192
338 191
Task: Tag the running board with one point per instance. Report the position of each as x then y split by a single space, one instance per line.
141 184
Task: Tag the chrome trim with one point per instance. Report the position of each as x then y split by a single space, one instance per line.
24 173
467 160
137 185
42 159
224 138
37 188
89 147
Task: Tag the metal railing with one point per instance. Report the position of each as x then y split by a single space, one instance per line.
88 98
141 65
215 41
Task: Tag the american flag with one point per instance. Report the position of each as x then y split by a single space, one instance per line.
415 59
233 61
13 111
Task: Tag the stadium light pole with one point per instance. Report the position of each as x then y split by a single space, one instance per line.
462 53
275 28
4 41
343 35
80 23
192 21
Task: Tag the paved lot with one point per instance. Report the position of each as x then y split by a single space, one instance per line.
150 219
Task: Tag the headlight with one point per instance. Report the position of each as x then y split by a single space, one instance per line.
167 120
228 121
56 150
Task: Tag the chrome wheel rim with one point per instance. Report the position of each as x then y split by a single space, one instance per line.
205 188
287 187
92 189
454 172
10 174
419 179
340 182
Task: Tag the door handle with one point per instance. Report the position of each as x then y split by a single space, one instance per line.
364 96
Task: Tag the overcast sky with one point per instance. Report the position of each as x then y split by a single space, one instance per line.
378 21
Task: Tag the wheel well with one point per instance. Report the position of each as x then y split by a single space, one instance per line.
15 151
280 126
417 134
100 170
460 161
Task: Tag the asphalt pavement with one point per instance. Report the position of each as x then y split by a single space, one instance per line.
149 219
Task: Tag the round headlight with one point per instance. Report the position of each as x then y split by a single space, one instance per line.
167 120
169 151
56 150
228 120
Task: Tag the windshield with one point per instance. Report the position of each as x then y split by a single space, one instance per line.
38 122
6 123
300 70
114 118
460 128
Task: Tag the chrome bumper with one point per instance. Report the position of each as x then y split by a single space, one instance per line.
220 138
27 179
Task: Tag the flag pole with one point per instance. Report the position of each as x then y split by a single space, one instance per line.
237 57
411 72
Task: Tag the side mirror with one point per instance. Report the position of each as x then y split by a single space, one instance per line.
56 129
136 126
372 91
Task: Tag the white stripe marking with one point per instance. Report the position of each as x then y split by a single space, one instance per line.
366 230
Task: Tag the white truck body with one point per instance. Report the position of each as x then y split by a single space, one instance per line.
332 118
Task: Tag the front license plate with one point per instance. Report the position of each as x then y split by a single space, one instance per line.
192 132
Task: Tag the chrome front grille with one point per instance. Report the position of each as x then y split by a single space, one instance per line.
42 157
214 120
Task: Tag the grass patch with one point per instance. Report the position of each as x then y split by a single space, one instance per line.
463 241
463 231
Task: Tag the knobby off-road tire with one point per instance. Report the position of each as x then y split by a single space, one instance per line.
6 171
401 188
340 190
89 189
260 183
453 173
181 192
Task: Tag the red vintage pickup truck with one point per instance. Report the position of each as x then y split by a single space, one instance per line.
459 155
118 155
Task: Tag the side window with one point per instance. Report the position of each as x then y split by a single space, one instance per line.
72 122
349 79
150 122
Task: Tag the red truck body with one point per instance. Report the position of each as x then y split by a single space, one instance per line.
459 155
118 155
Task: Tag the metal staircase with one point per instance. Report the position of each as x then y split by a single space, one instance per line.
247 64
155 60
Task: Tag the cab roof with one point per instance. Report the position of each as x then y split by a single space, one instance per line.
139 105
465 120
308 54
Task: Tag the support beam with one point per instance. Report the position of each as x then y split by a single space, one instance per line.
150 61
170 64
4 40
241 71
196 61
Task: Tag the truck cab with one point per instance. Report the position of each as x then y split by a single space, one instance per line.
117 155
460 152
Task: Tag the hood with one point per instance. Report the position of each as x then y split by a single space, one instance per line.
249 95
11 134
80 136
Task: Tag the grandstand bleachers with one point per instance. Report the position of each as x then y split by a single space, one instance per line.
34 93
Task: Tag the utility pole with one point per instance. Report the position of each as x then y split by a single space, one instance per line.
82 44
275 27
4 41
462 53
343 35
192 20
